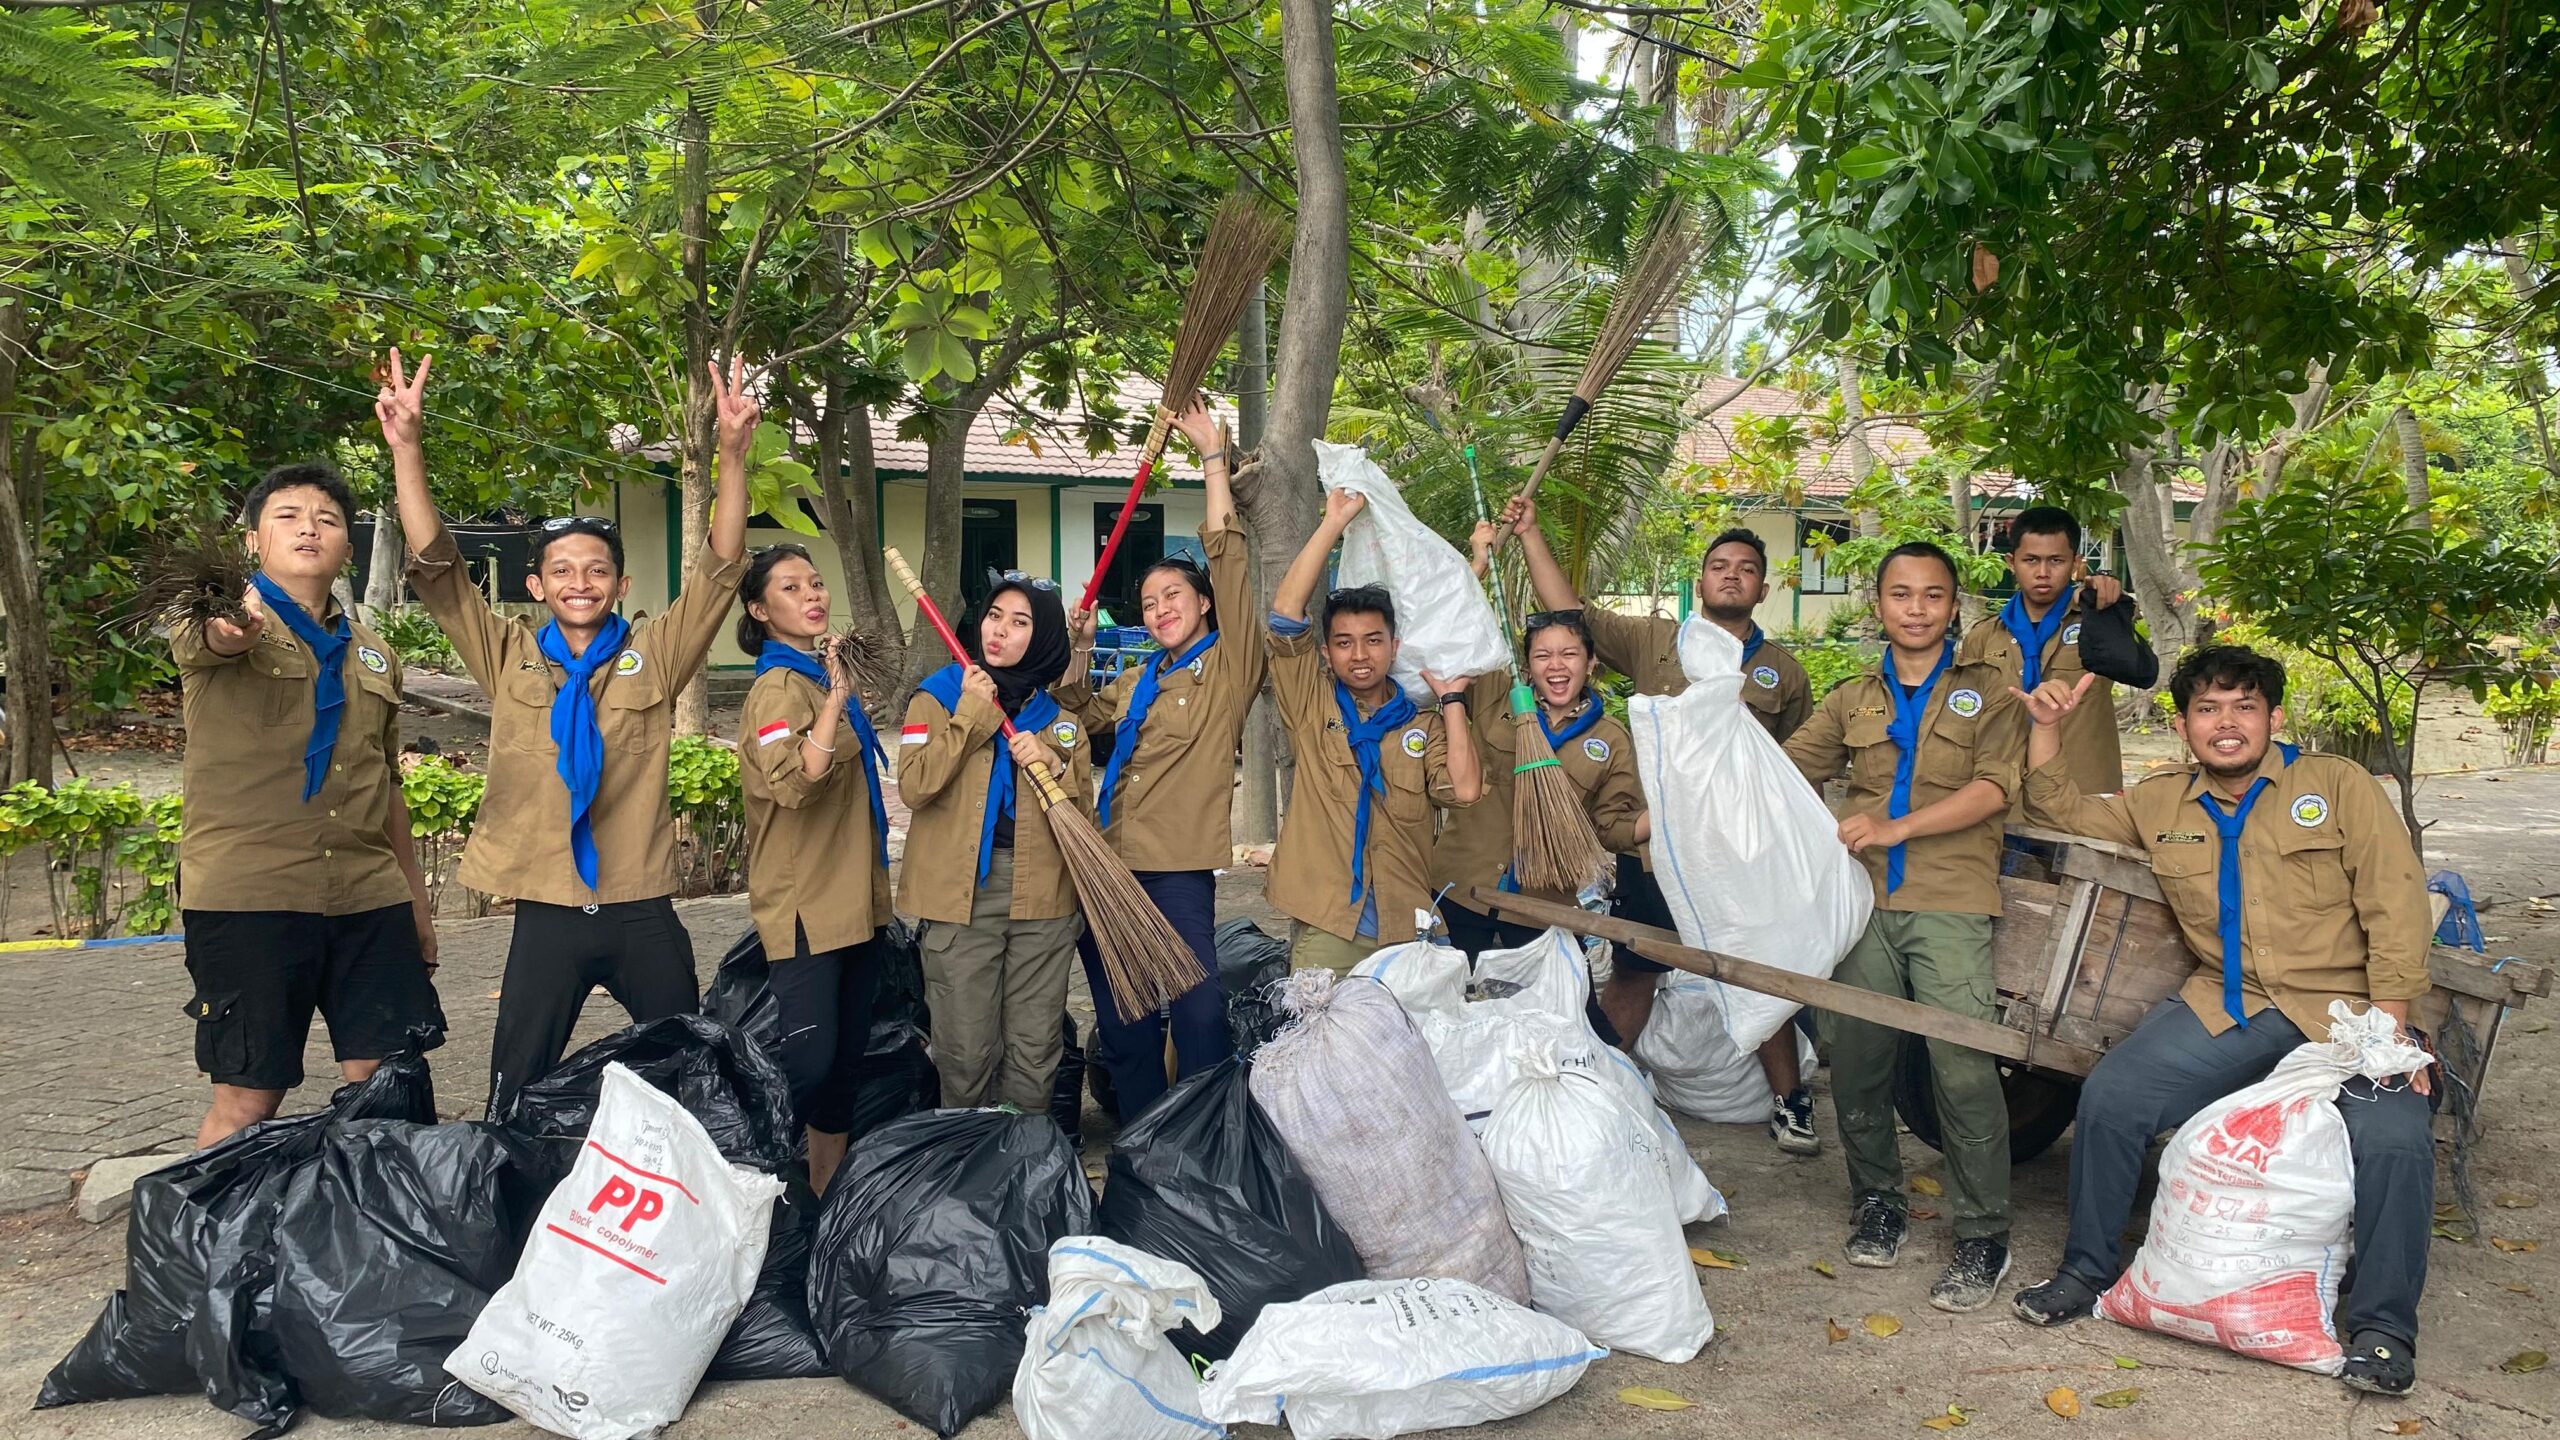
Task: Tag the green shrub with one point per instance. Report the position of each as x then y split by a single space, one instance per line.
710 813
415 637
82 827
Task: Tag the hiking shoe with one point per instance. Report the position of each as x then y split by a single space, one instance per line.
2380 1365
1791 1123
1973 1277
2058 1301
1877 1236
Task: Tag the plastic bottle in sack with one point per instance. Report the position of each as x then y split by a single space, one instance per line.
2249 1235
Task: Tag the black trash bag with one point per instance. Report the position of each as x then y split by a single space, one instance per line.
711 1069
932 1248
1204 1180
773 1339
1250 964
197 1262
897 1076
1066 1087
388 1246
741 994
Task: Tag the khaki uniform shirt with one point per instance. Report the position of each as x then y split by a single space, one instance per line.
944 764
812 858
1311 870
247 839
2334 905
1645 649
1177 792
2090 747
520 847
1475 848
1974 730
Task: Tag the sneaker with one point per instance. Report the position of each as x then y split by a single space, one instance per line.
2058 1301
2380 1365
1791 1123
1877 1238
1973 1277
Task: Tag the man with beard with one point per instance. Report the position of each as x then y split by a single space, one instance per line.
1733 579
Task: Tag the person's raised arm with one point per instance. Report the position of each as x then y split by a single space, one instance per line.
401 406
2053 798
1546 577
1457 744
738 414
1217 463
1305 573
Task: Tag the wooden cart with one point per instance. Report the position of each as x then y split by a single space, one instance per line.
2081 957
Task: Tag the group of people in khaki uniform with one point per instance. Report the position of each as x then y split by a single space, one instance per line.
303 893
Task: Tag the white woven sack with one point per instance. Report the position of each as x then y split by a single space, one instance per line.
1746 853
1692 1062
1096 1361
1442 621
1351 1088
1372 1359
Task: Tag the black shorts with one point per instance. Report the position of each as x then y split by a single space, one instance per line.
1639 899
260 973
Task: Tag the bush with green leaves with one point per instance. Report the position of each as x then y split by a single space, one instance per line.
710 812
82 828
444 802
2526 708
414 636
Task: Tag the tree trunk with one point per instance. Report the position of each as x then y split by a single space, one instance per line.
1853 437
1255 818
1280 500
384 583
2162 578
849 503
694 426
2413 466
945 479
30 645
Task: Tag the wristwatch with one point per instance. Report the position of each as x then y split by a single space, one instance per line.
1453 697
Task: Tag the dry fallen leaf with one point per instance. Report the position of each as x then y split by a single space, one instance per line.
2521 1289
2402 1427
2117 1399
2525 1362
2515 1247
1715 1259
2514 1201
1926 1185
1883 1327
1652 1397
2064 1401
2126 1362
1823 1269
1923 1213
1834 1331
1954 1417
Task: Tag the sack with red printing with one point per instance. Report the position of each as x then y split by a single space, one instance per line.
2249 1235
638 1264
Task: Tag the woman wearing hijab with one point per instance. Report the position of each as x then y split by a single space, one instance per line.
1171 727
1592 749
982 870
817 843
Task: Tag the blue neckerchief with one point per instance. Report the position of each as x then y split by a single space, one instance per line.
777 656
1575 728
1910 708
2227 884
1751 646
1364 736
1124 736
576 734
328 678
1037 714
2034 635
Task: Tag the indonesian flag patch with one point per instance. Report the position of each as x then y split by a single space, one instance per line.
774 733
915 734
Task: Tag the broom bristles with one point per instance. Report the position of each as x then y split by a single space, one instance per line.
1144 959
1662 264
1553 846
197 570
1245 239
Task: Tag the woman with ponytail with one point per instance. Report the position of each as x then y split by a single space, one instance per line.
817 841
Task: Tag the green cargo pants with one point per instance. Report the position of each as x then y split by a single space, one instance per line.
1943 960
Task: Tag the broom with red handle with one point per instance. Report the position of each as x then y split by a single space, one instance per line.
1245 238
1144 958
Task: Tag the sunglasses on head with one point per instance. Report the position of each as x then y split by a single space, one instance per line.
595 524
1541 619
1021 577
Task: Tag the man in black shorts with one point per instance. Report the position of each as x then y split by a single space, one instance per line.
295 865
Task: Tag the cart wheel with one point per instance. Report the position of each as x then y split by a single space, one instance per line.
2040 1103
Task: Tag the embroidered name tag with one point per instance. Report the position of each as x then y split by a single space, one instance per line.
2178 837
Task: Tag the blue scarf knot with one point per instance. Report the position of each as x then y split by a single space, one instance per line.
1364 736
2227 884
2034 635
328 679
1142 698
777 656
575 732
1910 710
1037 714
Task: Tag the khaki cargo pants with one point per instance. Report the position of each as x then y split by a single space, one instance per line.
997 987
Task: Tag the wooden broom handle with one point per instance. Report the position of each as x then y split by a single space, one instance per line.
1051 794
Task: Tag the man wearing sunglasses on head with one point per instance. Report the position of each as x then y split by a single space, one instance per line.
574 824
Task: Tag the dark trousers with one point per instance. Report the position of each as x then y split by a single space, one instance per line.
636 949
1474 932
825 1000
1132 1049
2158 1077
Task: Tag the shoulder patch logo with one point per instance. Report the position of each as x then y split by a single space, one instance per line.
2310 810
1066 734
1764 676
1416 740
2071 633
1967 703
1597 749
372 659
628 663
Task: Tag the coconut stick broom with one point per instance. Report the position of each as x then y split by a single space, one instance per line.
1245 237
1143 957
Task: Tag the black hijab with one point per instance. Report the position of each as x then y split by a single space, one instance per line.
1050 651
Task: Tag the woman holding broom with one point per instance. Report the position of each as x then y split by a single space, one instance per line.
1171 727
1592 749
983 869
817 841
